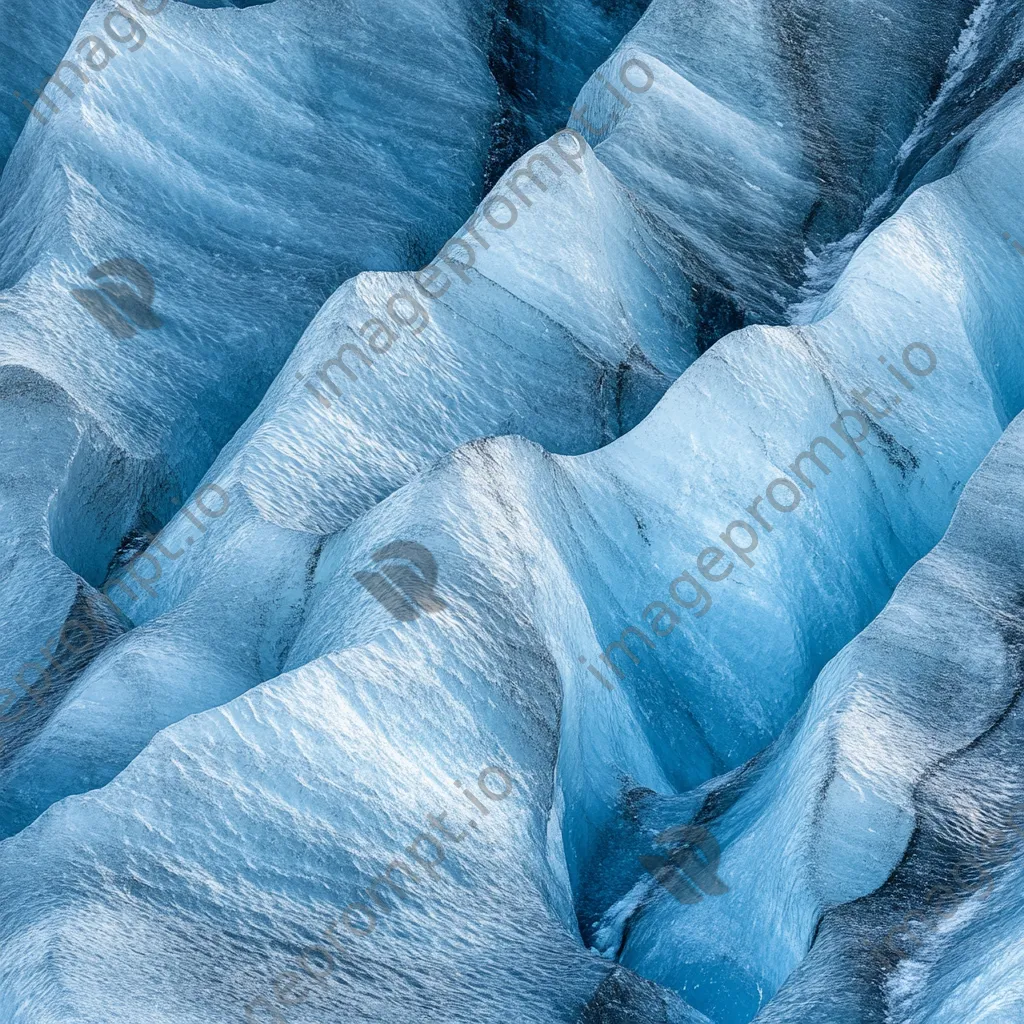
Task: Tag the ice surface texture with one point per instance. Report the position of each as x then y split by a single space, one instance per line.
255 795
329 440
251 160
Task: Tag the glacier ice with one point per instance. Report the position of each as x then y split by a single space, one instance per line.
203 202
254 795
440 384
878 839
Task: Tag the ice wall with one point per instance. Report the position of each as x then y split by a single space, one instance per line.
872 854
244 219
623 634
787 124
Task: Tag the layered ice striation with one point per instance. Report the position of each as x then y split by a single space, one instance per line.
448 818
538 54
787 121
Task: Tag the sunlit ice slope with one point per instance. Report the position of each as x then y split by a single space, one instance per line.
250 160
246 189
457 907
